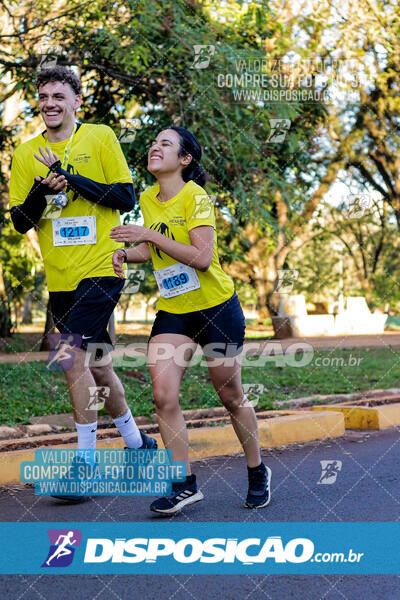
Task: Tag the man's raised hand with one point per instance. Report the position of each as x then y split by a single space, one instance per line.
47 158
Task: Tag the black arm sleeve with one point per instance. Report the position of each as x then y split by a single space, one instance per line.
27 215
120 196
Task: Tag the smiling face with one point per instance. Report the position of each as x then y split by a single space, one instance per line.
163 156
57 104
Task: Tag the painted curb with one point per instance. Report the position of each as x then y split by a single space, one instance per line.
304 427
366 417
71 437
214 441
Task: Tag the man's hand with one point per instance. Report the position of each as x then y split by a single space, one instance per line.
131 233
47 159
56 182
117 262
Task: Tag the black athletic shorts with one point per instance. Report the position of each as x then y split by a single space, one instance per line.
220 328
87 310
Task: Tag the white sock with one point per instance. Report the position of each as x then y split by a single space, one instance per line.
86 439
129 430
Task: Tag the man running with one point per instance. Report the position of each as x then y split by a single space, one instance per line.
62 542
70 183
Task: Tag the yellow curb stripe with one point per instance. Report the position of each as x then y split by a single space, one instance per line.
214 441
366 417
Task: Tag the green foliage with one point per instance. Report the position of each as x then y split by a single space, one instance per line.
318 264
137 61
22 268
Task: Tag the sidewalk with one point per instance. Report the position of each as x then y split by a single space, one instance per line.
348 342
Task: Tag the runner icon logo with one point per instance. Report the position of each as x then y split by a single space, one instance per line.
52 211
279 129
203 206
61 355
134 278
252 392
329 471
286 280
359 205
63 543
202 56
98 396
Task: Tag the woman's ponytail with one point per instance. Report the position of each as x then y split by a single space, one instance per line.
195 172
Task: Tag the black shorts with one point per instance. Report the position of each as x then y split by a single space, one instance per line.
220 328
87 310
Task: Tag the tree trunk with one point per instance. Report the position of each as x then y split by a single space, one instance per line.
125 307
5 312
16 312
261 292
27 311
367 285
5 318
48 328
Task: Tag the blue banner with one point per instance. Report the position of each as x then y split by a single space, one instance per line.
204 548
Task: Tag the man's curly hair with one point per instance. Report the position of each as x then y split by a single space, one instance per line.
59 73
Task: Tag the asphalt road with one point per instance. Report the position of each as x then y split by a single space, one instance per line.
367 489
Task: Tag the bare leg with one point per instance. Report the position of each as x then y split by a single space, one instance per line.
166 377
227 382
105 376
79 379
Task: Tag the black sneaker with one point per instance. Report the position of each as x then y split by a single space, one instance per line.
149 443
258 494
183 494
72 498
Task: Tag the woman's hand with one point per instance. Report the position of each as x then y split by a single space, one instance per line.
131 233
47 159
117 262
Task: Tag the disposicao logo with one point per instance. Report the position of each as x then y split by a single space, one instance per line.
191 550
63 543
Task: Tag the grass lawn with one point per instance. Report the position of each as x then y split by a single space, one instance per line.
27 389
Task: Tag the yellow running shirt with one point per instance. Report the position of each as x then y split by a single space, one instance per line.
97 155
190 208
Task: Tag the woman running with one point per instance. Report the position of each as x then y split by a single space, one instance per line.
198 305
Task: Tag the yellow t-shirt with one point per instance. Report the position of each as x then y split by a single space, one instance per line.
96 154
190 208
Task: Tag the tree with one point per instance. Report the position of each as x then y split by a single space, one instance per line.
335 46
139 61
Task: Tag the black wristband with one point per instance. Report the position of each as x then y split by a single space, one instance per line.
56 167
126 255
